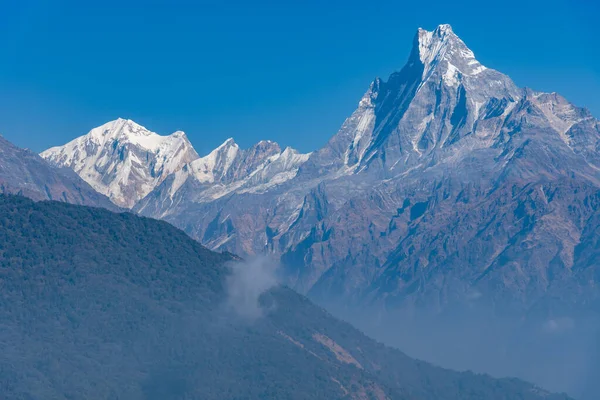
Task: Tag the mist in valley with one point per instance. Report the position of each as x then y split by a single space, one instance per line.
560 354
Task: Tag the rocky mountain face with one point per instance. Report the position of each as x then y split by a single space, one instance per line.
226 170
449 193
24 172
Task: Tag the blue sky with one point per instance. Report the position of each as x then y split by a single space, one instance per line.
280 70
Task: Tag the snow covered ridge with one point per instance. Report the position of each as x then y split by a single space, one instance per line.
228 163
227 169
126 161
122 159
443 46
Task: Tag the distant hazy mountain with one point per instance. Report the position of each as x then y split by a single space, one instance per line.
98 305
449 192
24 172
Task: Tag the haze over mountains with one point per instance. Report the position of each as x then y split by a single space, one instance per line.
450 196
99 305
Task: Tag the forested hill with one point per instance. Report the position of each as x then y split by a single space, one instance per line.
99 305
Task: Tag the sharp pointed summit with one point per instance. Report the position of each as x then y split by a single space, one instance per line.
428 106
442 48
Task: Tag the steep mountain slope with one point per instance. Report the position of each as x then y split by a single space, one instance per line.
123 160
104 305
24 172
226 170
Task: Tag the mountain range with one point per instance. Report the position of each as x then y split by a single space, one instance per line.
442 132
450 198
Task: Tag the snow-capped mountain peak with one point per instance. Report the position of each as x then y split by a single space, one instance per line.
216 164
123 159
439 107
118 128
444 49
227 143
432 43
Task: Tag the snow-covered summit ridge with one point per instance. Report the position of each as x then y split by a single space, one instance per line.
123 159
438 50
439 107
126 161
230 168
442 47
122 131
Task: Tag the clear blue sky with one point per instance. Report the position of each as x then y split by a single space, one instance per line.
280 70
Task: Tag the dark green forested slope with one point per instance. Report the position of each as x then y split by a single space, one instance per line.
97 305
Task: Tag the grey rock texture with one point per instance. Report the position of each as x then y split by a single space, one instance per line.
24 172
